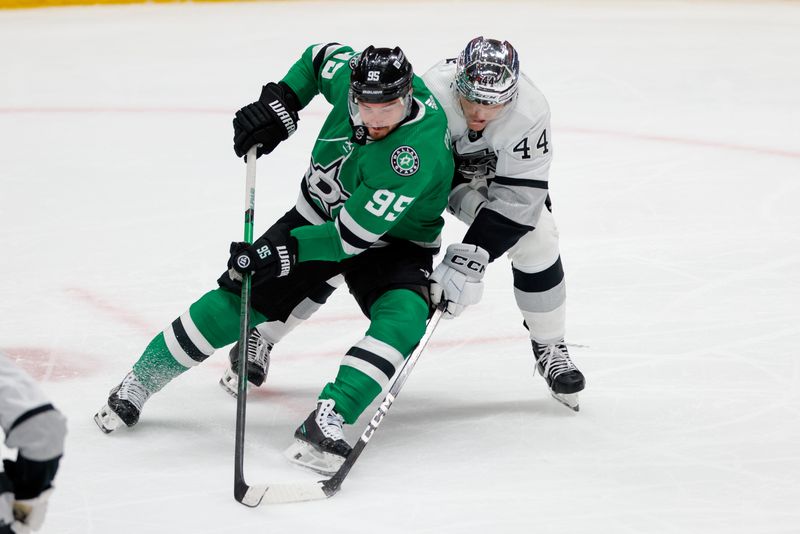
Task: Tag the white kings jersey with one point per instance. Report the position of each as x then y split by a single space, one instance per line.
502 172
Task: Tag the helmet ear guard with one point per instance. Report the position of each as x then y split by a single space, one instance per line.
487 71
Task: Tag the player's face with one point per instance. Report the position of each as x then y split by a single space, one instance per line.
381 119
479 115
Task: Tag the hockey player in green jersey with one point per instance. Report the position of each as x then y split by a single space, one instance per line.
369 210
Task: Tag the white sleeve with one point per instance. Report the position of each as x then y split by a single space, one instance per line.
29 421
520 186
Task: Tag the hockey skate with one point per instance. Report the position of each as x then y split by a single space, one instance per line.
258 349
563 378
319 442
124 405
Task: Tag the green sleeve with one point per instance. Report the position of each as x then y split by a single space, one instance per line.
319 70
319 242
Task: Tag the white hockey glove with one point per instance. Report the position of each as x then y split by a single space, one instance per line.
29 513
459 278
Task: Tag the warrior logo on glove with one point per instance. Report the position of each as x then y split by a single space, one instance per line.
284 116
286 262
243 261
272 255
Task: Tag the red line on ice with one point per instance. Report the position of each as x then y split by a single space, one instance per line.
587 131
118 313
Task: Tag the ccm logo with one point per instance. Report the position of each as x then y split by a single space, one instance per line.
378 417
472 265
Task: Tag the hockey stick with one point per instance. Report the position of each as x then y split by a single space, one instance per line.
323 489
247 495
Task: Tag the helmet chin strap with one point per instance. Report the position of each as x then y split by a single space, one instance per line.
360 134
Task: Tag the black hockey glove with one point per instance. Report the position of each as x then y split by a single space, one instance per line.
269 121
272 255
29 477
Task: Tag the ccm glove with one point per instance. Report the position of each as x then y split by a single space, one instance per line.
267 122
458 280
272 255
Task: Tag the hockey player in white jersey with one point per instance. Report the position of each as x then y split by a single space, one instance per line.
500 128
36 429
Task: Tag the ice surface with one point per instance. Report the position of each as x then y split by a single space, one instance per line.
675 186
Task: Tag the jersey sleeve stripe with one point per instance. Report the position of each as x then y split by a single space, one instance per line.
39 439
307 208
357 229
27 415
354 237
520 182
351 243
320 52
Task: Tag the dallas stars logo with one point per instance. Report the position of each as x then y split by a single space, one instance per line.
324 185
405 160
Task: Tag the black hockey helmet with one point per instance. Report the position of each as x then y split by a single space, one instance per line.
380 75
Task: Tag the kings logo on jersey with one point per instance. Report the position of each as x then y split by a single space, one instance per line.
405 160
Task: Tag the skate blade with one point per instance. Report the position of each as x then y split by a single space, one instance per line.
305 455
230 383
570 400
107 420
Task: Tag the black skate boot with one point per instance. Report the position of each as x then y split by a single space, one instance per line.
124 405
563 378
258 349
319 442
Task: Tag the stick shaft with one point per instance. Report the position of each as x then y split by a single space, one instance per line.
239 485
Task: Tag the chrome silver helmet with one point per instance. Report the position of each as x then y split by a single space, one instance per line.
487 71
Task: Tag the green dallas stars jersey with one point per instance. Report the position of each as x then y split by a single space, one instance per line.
355 194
